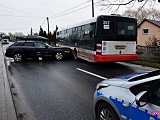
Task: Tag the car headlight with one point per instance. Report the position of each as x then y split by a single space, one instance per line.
102 85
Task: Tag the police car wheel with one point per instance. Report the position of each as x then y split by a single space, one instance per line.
106 112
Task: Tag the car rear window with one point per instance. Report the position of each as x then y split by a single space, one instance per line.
29 44
19 44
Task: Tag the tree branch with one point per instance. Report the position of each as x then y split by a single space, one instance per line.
118 4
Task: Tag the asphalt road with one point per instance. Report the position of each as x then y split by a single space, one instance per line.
60 90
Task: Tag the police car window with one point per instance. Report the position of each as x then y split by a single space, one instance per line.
156 96
141 87
29 44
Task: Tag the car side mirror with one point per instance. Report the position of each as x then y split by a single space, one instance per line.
141 98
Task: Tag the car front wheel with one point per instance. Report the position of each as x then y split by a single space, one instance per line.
18 57
59 56
106 112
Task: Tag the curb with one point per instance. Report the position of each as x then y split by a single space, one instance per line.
10 108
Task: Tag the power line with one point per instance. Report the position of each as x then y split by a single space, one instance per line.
43 22
66 12
71 12
19 16
35 29
20 11
142 6
69 9
117 3
15 29
53 16
118 7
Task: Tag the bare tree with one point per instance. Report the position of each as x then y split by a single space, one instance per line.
113 6
153 41
117 6
152 14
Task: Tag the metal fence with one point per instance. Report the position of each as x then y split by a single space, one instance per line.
149 54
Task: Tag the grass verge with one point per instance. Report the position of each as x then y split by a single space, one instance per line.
148 64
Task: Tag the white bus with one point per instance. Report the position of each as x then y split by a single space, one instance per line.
106 38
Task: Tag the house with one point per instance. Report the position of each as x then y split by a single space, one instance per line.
148 33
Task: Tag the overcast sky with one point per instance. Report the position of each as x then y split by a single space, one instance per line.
21 15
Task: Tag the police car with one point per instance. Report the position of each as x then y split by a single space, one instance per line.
129 97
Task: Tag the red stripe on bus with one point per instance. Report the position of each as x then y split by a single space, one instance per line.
108 58
115 58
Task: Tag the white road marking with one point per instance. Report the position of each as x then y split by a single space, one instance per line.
91 73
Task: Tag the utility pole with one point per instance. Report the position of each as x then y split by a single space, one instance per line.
92 8
31 30
48 30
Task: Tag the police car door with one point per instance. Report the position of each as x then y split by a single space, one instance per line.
150 110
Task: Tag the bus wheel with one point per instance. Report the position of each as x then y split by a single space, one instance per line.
75 55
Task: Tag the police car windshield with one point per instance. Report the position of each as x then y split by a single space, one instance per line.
145 75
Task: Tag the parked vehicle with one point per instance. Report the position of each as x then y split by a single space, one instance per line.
5 39
34 49
130 97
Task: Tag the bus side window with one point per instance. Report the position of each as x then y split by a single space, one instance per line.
92 30
86 33
57 33
89 31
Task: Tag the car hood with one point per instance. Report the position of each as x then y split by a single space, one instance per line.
120 80
115 81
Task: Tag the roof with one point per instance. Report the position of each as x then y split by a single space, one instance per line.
155 22
91 20
32 37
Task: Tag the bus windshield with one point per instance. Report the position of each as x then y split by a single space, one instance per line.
114 28
126 28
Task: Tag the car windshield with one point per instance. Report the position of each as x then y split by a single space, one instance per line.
47 45
41 45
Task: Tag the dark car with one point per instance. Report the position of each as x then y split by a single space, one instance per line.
34 49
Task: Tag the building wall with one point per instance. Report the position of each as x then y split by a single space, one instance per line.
152 30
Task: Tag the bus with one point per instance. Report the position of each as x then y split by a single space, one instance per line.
105 38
